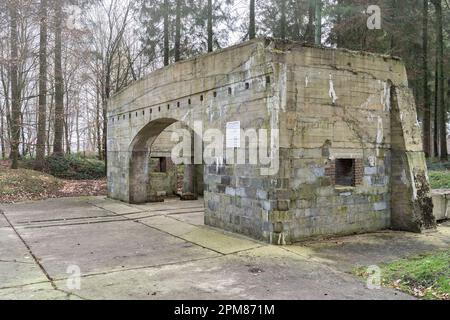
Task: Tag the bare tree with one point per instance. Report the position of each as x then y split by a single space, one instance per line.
441 113
210 25
166 10
42 112
15 90
283 19
59 85
318 19
252 27
178 30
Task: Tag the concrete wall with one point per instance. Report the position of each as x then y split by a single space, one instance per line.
327 104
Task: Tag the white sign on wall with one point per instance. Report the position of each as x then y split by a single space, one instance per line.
233 134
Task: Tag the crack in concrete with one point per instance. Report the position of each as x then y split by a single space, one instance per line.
113 219
36 260
15 261
99 217
52 280
183 262
24 285
90 275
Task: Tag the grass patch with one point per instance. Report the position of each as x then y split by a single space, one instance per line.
439 179
425 276
21 185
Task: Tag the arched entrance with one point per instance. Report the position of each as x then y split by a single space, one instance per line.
142 162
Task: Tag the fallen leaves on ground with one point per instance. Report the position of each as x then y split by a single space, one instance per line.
25 185
83 188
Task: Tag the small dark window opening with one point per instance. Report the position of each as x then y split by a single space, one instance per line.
143 113
168 107
189 101
215 94
159 165
151 111
267 80
247 86
159 109
178 104
163 165
201 98
230 91
345 172
136 114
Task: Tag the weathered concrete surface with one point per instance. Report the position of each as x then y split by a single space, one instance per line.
328 105
162 251
441 204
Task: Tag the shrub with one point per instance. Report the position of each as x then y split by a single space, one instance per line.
74 168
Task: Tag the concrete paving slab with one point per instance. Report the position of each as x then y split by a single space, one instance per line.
12 248
275 274
220 242
3 222
53 209
170 204
17 266
208 238
196 218
109 246
13 274
42 291
164 212
346 253
171 226
173 256
115 206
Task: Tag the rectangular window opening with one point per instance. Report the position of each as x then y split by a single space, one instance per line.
159 164
345 172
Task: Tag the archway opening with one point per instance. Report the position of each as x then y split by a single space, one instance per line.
154 176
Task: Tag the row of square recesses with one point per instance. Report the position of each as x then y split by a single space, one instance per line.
178 104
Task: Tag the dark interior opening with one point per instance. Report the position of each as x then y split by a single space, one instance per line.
159 165
345 172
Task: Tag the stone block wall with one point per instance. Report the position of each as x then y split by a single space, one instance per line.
326 104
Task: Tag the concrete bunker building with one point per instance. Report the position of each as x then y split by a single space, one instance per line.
350 152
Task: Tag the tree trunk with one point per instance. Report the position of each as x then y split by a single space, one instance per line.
283 19
339 42
178 32
105 97
2 131
318 30
59 86
15 91
426 91
98 124
298 22
436 110
77 129
210 26
309 33
441 84
42 111
66 134
252 27
166 33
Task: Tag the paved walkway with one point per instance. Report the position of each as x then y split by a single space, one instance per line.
163 251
